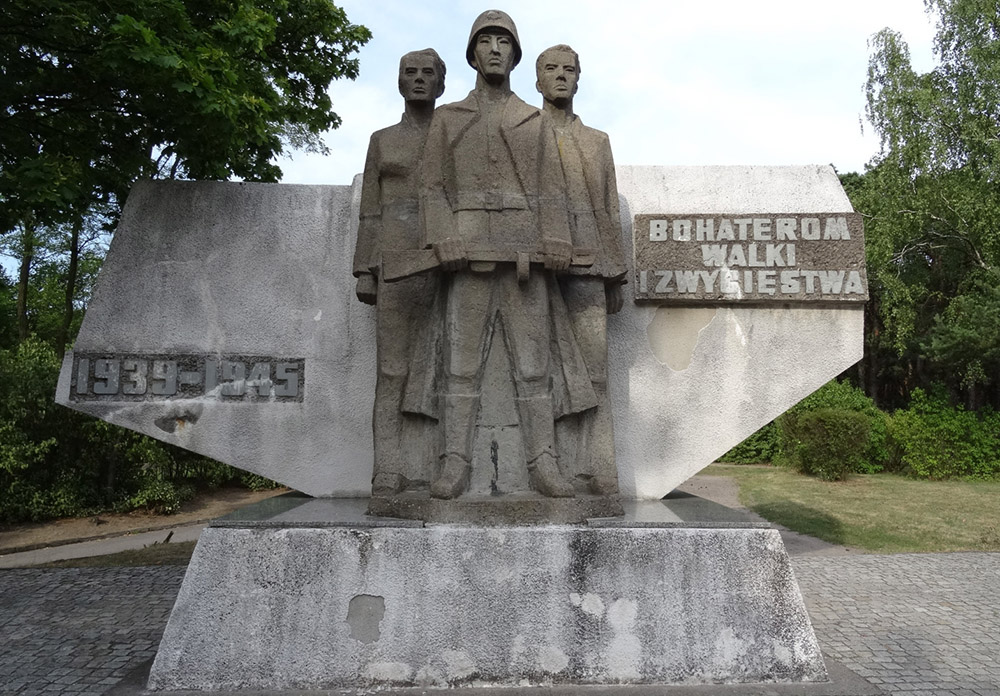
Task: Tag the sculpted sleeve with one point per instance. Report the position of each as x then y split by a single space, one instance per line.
437 219
553 215
611 230
367 251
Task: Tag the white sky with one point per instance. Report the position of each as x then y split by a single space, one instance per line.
766 82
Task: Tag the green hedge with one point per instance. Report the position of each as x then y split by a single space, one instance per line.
828 443
759 448
935 440
775 442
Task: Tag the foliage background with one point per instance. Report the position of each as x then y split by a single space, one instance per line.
96 95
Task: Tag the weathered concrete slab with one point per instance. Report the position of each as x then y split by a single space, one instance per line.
273 608
246 289
689 383
242 274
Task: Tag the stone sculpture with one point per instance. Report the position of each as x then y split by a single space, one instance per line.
590 292
389 221
519 253
493 210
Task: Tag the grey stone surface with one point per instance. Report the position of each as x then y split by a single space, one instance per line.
272 608
223 263
677 373
677 510
505 510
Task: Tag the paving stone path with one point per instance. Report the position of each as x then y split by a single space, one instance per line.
916 624
79 631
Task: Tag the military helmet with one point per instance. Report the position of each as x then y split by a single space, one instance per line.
493 19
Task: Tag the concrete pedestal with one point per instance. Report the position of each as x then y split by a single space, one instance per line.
311 599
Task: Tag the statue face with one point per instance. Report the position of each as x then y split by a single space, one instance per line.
557 76
494 54
419 79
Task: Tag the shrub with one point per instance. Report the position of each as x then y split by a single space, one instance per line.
761 447
932 439
841 396
831 443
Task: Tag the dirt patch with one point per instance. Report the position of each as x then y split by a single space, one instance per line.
203 507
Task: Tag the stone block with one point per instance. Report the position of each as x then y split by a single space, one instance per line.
359 608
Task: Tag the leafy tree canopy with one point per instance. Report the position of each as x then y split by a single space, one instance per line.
932 194
97 93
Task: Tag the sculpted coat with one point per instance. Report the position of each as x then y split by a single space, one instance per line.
404 445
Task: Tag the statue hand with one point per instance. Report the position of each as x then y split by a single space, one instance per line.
451 254
556 254
367 288
614 296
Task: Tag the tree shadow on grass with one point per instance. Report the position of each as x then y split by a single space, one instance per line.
804 520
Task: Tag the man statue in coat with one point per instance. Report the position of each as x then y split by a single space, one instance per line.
590 292
390 223
493 209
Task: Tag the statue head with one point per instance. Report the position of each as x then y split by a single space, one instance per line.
558 73
494 46
421 76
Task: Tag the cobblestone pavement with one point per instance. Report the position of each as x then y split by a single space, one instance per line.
79 631
916 624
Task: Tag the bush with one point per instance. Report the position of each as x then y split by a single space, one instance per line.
841 396
932 439
831 443
759 448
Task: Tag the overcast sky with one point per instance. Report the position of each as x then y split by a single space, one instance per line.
766 82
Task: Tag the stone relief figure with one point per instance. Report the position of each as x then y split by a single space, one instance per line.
590 292
493 210
389 222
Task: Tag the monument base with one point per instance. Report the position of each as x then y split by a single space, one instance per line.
525 509
293 606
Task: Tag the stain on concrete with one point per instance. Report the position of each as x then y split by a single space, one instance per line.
388 672
458 664
674 331
175 422
364 616
624 650
552 659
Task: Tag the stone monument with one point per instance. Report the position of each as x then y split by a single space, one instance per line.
506 227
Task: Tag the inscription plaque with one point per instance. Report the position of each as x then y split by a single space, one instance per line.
139 377
757 257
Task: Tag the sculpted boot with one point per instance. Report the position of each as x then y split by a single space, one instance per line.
459 423
387 424
538 435
601 445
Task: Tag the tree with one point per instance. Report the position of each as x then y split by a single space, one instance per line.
98 93
932 195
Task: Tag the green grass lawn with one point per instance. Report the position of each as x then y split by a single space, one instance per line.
882 512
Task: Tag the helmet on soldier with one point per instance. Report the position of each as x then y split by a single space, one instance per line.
493 19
